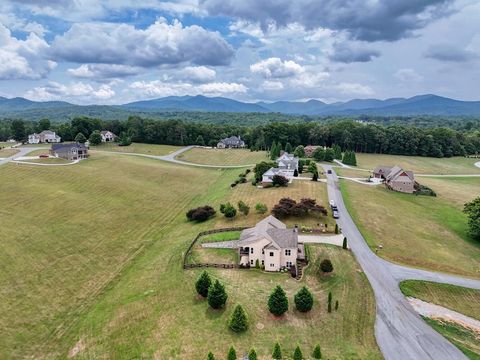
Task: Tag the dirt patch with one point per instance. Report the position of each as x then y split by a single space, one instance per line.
78 348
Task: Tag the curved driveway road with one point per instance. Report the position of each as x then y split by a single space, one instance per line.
23 151
400 332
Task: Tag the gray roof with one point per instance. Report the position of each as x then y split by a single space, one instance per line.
67 147
287 161
232 140
273 230
274 171
382 169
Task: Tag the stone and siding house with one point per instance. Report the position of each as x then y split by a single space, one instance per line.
396 178
231 142
107 136
73 151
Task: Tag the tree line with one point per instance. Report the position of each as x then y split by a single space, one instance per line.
348 134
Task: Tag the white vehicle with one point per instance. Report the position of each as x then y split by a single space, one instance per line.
332 203
335 214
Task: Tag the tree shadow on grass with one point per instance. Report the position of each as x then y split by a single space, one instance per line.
214 313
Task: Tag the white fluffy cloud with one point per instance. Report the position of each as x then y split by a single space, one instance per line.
197 73
103 71
78 92
276 68
23 59
160 43
157 88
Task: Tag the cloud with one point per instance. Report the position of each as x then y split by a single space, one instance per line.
79 92
364 20
408 75
157 88
353 52
354 89
197 74
23 59
160 43
276 68
450 52
103 71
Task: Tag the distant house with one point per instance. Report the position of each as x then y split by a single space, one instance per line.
286 166
309 149
46 136
396 178
271 243
231 142
108 136
73 151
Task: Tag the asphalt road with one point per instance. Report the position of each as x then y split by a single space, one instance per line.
23 151
400 332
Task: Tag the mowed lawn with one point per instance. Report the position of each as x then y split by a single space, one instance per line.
420 231
91 266
4 153
137 148
210 156
419 164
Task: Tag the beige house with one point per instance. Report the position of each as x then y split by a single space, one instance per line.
46 136
107 136
396 178
270 243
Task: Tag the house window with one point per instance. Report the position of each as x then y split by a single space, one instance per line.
263 262
289 264
263 251
251 262
288 252
251 250
271 253
272 265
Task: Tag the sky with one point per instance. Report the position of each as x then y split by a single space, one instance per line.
118 51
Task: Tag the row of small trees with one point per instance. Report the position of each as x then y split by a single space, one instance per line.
349 158
277 353
205 212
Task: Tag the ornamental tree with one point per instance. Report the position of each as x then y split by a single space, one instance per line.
252 355
203 284
303 300
277 352
317 352
326 266
278 302
238 321
210 356
244 208
232 354
217 296
297 354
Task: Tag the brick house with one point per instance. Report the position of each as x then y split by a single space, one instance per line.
396 178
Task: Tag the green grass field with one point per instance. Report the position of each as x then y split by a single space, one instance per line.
352 173
38 152
4 153
457 298
420 231
421 165
138 148
223 156
91 257
47 161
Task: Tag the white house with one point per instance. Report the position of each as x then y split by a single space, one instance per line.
107 136
286 166
46 136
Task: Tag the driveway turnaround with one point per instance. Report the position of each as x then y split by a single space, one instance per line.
23 151
400 332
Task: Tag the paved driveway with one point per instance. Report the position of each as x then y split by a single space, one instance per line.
23 151
400 332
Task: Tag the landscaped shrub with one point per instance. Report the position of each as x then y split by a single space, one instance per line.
303 300
232 354
315 176
217 297
244 208
295 173
336 229
200 214
424 190
279 180
203 284
297 354
319 154
329 307
278 302
252 355
317 352
257 264
210 356
243 180
233 185
261 208
326 266
277 352
345 245
228 210
248 171
238 321
336 305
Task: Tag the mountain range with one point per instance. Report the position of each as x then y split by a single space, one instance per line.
417 105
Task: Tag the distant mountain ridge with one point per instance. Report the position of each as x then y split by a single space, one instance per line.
418 105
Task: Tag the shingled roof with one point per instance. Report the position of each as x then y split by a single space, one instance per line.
273 230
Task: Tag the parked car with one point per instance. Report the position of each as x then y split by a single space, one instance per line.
335 214
43 156
332 203
329 171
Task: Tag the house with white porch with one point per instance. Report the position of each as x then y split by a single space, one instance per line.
46 136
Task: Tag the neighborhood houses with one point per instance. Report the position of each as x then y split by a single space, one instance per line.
108 136
396 178
287 164
73 151
232 142
46 136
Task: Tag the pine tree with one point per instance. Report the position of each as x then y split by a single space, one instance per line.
288 148
217 297
336 229
354 159
232 354
329 155
278 302
337 152
297 354
203 284
238 320
277 352
317 352
210 356
336 304
303 300
344 245
295 173
329 308
252 355
274 151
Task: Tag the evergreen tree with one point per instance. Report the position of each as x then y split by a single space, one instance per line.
326 266
297 354
252 355
336 229
295 173
217 297
329 155
238 320
336 304
319 154
354 159
329 307
278 302
317 352
210 356
303 300
232 354
315 176
229 211
349 158
203 284
288 148
299 151
200 141
277 352
337 152
344 245
80 138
